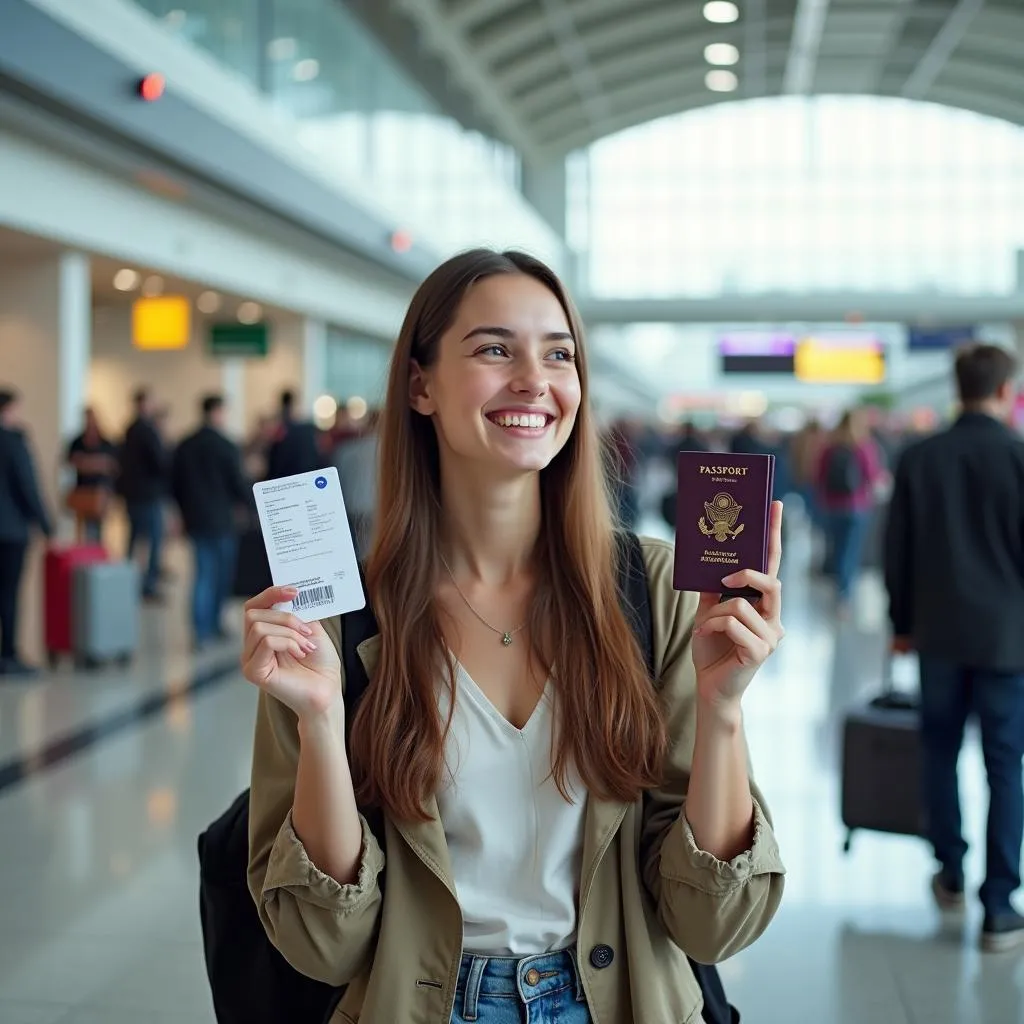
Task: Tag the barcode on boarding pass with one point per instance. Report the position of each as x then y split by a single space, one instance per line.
313 596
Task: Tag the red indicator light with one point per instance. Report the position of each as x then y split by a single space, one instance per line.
401 241
151 87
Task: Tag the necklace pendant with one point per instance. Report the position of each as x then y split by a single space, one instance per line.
506 639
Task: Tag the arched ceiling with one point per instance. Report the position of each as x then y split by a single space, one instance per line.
554 75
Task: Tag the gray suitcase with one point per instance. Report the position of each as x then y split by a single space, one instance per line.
105 612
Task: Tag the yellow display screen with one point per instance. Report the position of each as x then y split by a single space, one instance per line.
839 360
162 322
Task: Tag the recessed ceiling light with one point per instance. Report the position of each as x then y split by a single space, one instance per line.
208 302
721 12
126 279
249 312
282 48
306 70
153 285
722 54
721 81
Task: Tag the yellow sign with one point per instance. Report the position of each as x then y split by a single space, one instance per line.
161 323
824 361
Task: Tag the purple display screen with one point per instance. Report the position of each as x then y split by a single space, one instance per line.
756 343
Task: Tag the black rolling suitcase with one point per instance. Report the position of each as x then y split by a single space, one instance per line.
881 767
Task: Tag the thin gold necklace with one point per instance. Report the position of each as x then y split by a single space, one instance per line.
505 634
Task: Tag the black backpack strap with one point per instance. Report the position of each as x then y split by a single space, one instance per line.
636 603
354 628
634 593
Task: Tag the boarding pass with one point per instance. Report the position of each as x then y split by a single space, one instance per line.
309 543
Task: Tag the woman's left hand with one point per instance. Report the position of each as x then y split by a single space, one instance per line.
733 639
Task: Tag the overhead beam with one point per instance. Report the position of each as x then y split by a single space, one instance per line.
754 58
672 83
630 30
946 41
578 137
473 12
1003 82
985 103
574 54
526 32
625 67
465 65
901 10
873 307
808 28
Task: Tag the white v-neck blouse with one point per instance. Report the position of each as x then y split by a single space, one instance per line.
515 844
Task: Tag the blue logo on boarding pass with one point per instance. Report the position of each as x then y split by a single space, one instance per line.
321 482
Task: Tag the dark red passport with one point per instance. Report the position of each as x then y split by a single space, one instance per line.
722 510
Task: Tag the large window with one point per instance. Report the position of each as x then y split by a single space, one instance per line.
796 195
367 121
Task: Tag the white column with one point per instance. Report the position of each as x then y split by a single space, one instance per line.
74 339
45 340
233 386
314 362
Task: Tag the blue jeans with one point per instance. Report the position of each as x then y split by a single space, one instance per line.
949 693
847 532
211 582
544 989
146 519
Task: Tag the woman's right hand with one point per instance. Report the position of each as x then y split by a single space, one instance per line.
292 660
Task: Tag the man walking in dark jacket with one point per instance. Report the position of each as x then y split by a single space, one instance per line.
20 508
296 448
207 482
954 569
143 485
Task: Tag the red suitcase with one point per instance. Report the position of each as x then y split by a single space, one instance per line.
59 571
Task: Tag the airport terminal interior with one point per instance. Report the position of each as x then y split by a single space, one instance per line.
777 218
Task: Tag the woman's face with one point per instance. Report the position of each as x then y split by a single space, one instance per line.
504 389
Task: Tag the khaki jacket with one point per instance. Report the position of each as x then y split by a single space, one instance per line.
646 891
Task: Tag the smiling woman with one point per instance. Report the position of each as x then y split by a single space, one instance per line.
507 373
560 829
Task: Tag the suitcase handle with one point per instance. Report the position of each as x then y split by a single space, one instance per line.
890 697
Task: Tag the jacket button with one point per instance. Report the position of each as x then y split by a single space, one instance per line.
601 956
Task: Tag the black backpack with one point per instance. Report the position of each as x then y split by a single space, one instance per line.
843 473
250 981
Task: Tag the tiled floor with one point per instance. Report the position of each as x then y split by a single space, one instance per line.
98 911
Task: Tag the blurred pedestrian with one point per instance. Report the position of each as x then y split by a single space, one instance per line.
207 484
954 569
143 485
21 508
296 448
849 471
94 460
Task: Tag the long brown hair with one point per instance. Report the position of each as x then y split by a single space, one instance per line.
611 727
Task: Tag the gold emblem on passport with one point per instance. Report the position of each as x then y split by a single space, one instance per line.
723 510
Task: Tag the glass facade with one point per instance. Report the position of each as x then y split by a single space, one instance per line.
795 195
357 367
370 123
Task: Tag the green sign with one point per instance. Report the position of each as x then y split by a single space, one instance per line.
234 340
